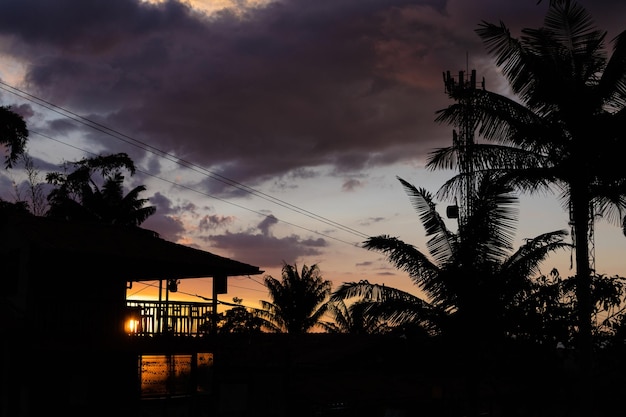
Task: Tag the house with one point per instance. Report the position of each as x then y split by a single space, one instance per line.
64 347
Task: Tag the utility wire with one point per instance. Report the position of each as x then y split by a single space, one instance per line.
207 194
190 294
146 147
149 148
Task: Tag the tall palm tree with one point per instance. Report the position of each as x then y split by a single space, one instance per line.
299 300
472 282
13 134
79 197
565 132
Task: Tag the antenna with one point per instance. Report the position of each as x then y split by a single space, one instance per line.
463 139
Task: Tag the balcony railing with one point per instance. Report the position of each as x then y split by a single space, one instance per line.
177 318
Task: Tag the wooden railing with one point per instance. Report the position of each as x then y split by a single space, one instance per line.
177 318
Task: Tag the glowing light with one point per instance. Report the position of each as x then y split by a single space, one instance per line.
132 324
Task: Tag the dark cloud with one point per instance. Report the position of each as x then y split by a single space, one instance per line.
351 184
164 221
264 248
169 228
291 86
162 203
24 110
294 89
371 220
214 221
269 251
266 225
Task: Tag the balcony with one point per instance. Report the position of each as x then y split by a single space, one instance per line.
174 318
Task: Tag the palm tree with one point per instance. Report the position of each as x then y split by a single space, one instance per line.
566 131
354 318
299 300
78 196
472 283
13 134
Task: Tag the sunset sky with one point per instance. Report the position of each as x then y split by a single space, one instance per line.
267 131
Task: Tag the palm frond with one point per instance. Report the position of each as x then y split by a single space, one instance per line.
526 260
571 25
612 84
441 242
422 271
491 224
510 55
390 304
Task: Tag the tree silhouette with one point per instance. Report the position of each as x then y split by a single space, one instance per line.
13 134
354 318
78 196
566 131
473 283
298 300
238 320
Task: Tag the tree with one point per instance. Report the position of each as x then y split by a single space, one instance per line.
564 132
13 134
31 192
19 207
473 284
354 319
299 300
238 320
549 310
78 196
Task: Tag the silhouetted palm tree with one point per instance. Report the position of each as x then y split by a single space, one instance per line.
472 283
567 131
13 134
299 300
79 197
354 319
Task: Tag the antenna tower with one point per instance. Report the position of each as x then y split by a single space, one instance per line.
463 140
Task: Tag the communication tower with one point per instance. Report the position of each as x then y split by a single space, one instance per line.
463 140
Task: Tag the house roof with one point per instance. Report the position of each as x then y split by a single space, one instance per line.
136 253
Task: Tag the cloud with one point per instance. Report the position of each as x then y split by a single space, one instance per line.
271 95
337 83
266 224
351 184
214 221
166 220
169 228
264 248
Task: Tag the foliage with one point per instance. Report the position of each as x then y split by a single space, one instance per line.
472 282
547 314
13 134
78 196
19 207
298 300
31 192
354 319
563 131
238 320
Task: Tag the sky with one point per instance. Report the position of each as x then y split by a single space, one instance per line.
268 131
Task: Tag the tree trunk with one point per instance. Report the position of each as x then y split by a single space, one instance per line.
581 220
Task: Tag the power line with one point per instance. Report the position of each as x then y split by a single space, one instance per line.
189 165
226 303
208 195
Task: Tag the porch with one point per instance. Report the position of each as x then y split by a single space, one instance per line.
174 318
